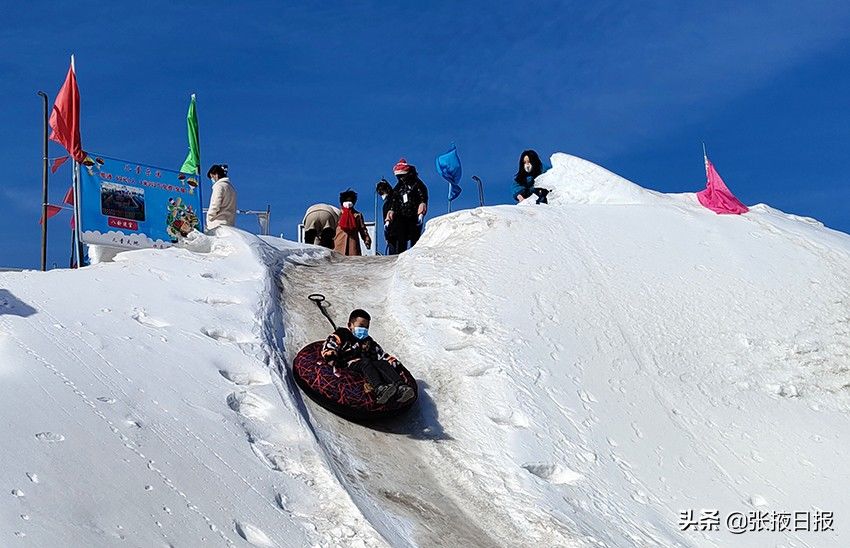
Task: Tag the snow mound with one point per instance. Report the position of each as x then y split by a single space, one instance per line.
574 180
588 372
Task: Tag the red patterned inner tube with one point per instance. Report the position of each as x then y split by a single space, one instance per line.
344 393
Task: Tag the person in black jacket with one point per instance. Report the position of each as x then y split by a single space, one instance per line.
385 191
409 206
352 348
530 168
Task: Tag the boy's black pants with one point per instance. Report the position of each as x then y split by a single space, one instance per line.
377 372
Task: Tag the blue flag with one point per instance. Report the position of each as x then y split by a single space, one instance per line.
448 166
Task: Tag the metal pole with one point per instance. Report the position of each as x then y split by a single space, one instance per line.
477 179
377 232
77 215
44 189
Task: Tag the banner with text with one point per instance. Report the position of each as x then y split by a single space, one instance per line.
134 206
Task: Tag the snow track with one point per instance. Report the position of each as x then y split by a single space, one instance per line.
386 467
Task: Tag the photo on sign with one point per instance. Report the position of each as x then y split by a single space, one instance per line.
122 201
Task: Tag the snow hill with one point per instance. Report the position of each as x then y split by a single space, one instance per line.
588 371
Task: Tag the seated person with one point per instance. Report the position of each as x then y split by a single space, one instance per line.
352 348
530 167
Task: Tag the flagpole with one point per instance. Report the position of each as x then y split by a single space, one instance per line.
77 232
76 180
376 223
44 189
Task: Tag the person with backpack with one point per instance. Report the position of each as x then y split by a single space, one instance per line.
351 226
385 190
530 167
408 207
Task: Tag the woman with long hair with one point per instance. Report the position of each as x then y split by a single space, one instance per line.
530 167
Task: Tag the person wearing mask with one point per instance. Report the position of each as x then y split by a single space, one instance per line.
351 226
409 206
352 348
222 210
385 191
530 167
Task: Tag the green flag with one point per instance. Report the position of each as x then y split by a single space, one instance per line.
193 159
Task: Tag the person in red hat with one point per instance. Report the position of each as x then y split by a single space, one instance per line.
409 206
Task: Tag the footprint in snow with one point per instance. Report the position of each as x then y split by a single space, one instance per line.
49 436
757 501
219 301
586 397
515 419
142 317
246 378
553 473
253 535
249 405
225 336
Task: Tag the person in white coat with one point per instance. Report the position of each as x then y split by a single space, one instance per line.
222 210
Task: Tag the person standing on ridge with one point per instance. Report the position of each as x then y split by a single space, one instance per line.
222 210
530 167
351 227
409 206
385 191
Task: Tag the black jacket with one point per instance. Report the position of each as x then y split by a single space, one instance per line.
415 191
342 348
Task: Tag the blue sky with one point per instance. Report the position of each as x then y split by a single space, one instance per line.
305 100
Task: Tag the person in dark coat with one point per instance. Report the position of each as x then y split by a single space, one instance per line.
352 348
530 167
385 191
409 206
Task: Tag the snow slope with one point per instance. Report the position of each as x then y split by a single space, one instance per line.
588 370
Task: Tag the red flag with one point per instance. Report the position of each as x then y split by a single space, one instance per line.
52 210
717 196
65 118
69 196
57 163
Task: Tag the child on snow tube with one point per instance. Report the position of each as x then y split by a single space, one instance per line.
352 348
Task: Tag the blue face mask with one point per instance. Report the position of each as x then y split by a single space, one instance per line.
360 332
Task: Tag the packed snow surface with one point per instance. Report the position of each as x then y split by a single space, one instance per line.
589 370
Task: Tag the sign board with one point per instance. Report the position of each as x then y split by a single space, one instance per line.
134 206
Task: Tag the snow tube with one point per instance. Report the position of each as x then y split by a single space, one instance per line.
344 393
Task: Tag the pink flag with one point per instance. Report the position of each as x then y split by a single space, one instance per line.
717 196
